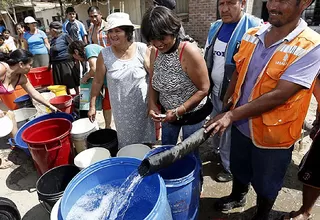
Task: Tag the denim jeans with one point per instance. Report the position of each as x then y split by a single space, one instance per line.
263 168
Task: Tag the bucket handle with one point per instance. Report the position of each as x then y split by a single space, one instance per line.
43 204
55 148
45 146
12 142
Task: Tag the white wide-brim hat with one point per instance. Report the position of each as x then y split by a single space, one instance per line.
29 20
118 19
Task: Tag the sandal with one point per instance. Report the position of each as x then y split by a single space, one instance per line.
5 163
291 216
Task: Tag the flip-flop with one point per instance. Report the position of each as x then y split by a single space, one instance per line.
290 216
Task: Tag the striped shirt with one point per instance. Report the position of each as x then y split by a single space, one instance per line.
102 37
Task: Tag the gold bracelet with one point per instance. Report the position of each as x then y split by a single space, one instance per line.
185 110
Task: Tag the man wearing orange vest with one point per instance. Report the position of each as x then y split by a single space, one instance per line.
270 90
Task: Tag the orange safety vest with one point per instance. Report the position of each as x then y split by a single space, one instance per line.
280 127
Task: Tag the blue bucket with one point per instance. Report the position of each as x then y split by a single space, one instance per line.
149 201
182 180
17 140
24 101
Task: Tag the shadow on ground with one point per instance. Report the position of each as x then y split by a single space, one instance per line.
24 176
208 212
36 213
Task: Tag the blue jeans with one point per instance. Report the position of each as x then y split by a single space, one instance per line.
263 168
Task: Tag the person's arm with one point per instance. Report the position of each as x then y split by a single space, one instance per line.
25 44
153 95
46 43
85 39
231 88
83 33
33 93
92 64
194 65
96 86
268 101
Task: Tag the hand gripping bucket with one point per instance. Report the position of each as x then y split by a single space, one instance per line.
49 142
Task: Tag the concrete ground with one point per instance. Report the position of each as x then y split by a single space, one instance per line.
18 184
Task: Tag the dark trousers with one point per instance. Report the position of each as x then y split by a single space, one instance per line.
263 168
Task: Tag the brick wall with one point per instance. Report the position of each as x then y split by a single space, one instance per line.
201 14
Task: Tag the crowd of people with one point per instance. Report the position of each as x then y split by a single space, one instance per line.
255 80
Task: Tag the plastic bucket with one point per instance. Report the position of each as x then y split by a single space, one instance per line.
23 115
17 140
80 131
49 142
91 156
134 150
40 76
24 101
41 108
51 185
106 138
9 98
149 200
85 91
64 103
8 210
58 90
182 180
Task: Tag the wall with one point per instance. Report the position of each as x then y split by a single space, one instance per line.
47 15
132 7
201 14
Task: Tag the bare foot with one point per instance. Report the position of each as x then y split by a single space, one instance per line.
296 216
5 163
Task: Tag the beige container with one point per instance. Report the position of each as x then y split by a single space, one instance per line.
80 131
134 150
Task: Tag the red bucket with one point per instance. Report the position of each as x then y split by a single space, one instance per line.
50 143
40 76
64 103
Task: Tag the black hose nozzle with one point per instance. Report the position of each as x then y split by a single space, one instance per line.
163 159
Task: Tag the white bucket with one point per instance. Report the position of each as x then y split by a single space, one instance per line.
91 156
80 131
55 210
134 150
23 115
42 109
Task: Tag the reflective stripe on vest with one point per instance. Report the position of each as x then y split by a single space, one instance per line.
280 127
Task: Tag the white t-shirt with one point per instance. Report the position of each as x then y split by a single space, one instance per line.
218 65
10 43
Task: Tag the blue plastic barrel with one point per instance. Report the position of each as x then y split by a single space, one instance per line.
17 140
149 200
182 181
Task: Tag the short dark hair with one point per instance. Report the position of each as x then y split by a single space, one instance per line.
6 30
93 8
158 22
17 56
70 9
2 37
128 31
77 45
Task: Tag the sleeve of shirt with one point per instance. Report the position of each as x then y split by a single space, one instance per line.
43 34
83 31
305 70
64 30
90 52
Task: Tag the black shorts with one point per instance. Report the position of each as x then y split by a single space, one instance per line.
309 172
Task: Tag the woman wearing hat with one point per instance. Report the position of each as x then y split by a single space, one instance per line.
63 67
36 41
124 64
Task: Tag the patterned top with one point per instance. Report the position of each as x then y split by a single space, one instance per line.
128 88
173 84
102 34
